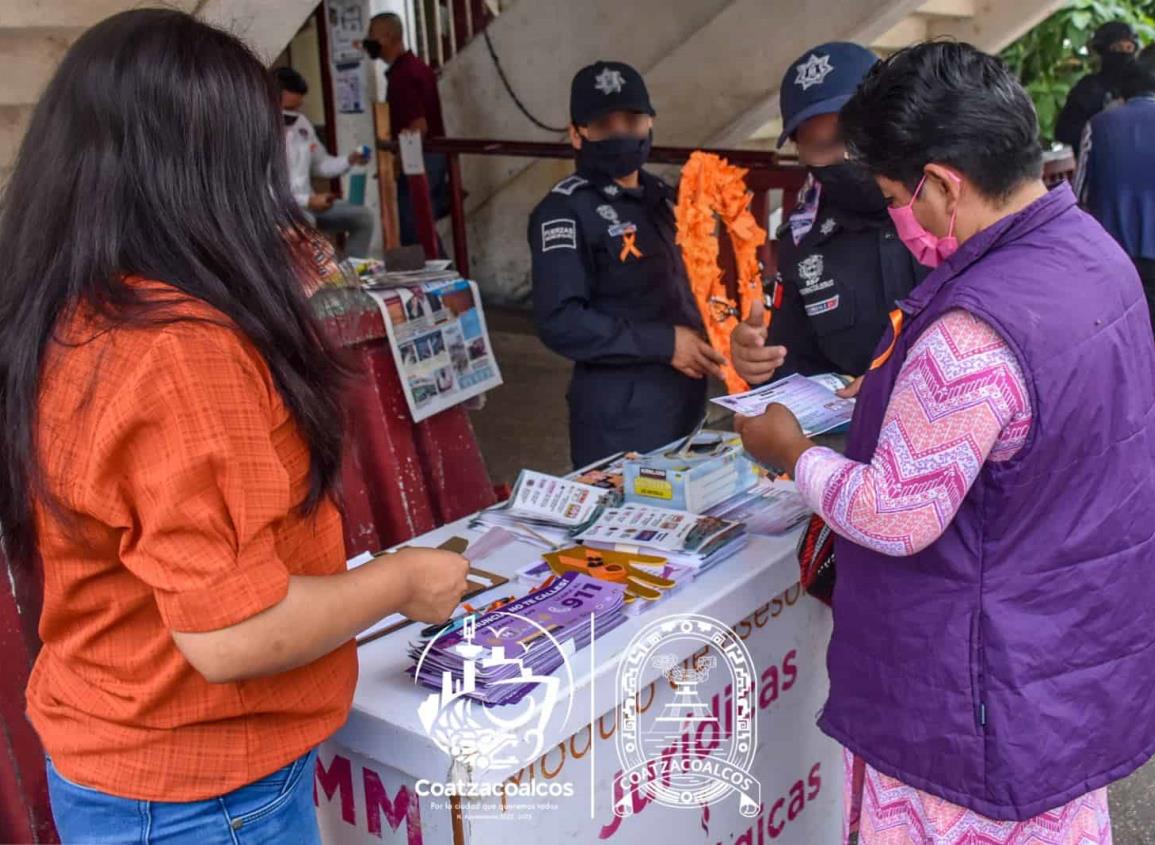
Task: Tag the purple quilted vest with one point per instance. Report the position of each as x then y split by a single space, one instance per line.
1010 666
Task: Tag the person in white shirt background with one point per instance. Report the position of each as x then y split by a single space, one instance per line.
308 158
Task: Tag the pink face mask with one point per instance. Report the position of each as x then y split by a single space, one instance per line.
928 249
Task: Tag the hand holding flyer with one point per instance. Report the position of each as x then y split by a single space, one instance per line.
817 408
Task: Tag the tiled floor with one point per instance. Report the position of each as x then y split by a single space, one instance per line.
524 425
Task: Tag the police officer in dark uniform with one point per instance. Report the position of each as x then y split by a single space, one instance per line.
841 265
1116 44
610 290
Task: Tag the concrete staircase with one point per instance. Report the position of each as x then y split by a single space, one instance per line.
712 66
34 34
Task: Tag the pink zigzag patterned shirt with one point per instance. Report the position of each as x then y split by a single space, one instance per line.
959 400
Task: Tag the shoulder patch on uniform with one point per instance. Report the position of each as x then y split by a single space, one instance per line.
569 184
559 234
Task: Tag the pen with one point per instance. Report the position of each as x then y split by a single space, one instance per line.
455 621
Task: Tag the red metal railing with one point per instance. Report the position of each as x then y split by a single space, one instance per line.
767 172
443 27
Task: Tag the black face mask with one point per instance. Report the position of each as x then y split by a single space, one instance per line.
612 158
1114 66
372 48
849 186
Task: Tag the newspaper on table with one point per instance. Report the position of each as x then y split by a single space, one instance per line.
440 343
546 506
381 279
680 536
816 406
501 656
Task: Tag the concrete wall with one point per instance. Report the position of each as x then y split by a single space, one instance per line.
34 35
266 25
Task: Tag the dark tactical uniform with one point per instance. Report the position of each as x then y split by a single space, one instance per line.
609 285
1091 95
838 284
1096 91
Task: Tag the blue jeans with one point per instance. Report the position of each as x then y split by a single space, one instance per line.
275 810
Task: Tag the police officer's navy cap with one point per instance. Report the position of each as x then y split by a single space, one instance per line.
1111 33
604 87
820 81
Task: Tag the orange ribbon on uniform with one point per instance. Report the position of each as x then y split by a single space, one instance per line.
896 325
629 247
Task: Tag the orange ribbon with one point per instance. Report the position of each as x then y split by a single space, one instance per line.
712 192
629 247
896 325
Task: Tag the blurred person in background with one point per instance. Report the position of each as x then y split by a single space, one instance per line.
1115 180
308 158
1115 44
414 106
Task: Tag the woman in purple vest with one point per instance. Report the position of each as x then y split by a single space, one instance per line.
992 665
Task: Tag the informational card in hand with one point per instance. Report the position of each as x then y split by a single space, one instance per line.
440 342
477 582
816 406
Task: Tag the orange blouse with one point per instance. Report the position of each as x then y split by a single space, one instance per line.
178 469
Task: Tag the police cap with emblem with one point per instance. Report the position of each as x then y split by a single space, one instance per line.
604 87
1112 33
820 81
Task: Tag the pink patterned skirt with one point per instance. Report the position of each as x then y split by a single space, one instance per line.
884 811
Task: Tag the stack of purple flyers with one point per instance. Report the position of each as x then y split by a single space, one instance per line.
501 656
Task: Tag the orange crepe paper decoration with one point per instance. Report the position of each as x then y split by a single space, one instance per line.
712 189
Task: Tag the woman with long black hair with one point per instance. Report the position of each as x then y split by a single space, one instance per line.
172 433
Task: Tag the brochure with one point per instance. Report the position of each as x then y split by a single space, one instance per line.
816 406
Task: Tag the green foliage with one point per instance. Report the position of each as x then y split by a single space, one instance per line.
1053 56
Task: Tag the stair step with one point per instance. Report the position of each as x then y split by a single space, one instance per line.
948 8
69 14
